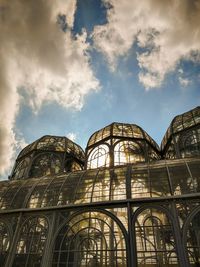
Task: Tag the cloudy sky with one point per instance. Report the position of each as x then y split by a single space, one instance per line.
70 67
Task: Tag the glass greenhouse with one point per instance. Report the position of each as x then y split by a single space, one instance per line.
122 202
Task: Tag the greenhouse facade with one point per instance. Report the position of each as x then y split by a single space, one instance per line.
125 201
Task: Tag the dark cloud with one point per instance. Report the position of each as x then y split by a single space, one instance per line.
36 54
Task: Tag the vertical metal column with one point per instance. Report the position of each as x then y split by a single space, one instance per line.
179 243
131 249
132 253
11 254
46 259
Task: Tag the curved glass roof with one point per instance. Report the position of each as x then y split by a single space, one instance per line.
180 123
54 143
163 178
117 129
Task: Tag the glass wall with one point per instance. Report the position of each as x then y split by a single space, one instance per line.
90 239
155 242
4 242
31 243
193 240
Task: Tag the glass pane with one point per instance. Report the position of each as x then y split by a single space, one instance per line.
31 243
99 157
181 179
21 169
189 143
101 190
90 239
155 240
46 164
4 242
128 152
193 241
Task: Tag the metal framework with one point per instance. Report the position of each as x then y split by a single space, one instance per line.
119 144
132 205
49 155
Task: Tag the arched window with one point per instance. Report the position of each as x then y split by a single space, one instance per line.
45 164
193 240
190 144
99 157
128 152
31 243
154 239
4 242
90 239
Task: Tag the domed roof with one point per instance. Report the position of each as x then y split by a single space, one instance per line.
180 123
124 130
54 143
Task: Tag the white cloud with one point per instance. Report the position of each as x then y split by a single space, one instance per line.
184 82
149 80
39 57
168 31
71 136
180 71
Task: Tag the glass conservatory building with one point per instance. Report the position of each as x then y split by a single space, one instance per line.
122 202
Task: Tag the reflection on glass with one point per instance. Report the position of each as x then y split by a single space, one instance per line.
128 152
4 242
118 184
45 164
193 241
20 170
90 239
72 166
31 243
99 157
75 166
51 143
101 188
34 200
190 144
154 239
171 152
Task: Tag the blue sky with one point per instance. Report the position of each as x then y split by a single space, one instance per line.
123 63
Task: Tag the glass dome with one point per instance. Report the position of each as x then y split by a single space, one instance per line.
48 155
117 129
119 144
54 143
182 138
144 213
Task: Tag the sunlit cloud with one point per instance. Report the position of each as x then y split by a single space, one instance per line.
72 136
44 60
40 63
167 31
184 82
